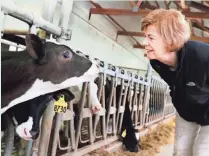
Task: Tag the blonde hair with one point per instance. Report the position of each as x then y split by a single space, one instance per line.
171 24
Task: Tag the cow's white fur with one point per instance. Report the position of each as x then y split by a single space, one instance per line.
95 104
23 130
40 87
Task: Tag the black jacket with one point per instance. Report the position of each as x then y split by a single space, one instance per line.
189 83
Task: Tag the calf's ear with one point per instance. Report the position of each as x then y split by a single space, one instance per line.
34 46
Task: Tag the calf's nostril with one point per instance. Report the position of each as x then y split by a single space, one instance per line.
34 134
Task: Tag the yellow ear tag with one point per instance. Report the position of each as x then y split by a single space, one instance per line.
124 133
60 106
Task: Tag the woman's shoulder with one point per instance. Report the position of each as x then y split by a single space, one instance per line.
197 49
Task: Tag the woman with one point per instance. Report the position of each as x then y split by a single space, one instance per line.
184 65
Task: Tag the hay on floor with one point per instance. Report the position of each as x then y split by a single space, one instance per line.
150 144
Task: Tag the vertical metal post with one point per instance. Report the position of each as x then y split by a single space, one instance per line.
46 126
72 128
2 19
123 104
56 133
147 92
104 132
110 103
65 16
114 105
80 119
48 9
64 21
119 105
90 118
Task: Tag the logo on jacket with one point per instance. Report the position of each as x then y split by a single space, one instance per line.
190 84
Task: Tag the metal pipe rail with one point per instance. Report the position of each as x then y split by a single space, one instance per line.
28 17
12 44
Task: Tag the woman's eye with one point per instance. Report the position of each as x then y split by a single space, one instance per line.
67 54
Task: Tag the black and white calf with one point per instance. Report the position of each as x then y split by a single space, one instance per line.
44 67
32 76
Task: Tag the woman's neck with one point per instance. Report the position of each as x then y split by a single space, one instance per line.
169 59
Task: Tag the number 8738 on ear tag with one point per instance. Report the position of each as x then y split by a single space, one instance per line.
60 106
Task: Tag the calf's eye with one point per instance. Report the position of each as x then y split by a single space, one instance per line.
67 55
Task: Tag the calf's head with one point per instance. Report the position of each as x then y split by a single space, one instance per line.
44 67
55 63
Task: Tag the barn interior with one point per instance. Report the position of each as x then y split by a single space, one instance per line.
111 32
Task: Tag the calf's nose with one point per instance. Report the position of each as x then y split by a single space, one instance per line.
34 134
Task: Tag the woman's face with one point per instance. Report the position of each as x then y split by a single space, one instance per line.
154 44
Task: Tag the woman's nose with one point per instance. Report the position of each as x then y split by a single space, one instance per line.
144 42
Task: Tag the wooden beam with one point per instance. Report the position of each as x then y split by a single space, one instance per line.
198 6
128 12
138 46
198 25
130 33
110 11
197 38
146 4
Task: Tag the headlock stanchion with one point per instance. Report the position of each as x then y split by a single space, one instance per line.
78 131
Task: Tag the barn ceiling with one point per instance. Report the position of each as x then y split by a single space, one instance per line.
197 12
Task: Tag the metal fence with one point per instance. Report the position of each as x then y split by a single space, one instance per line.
80 132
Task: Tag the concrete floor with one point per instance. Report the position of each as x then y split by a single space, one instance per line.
166 150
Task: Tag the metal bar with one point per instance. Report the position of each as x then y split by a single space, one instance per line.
152 122
88 149
36 145
64 20
109 103
72 128
49 9
123 104
99 95
90 127
119 105
12 44
3 16
15 32
13 38
31 19
114 115
80 119
29 147
46 129
56 133
103 117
